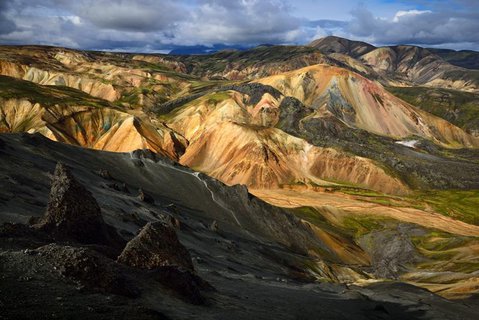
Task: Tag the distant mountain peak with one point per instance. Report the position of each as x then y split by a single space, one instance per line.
334 44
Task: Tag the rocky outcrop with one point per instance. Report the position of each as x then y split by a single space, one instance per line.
73 213
88 267
156 246
392 251
184 283
214 226
145 197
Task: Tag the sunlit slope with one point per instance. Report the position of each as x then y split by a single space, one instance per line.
235 140
72 117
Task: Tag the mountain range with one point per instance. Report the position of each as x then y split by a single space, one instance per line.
334 169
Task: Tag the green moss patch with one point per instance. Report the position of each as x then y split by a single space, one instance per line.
458 204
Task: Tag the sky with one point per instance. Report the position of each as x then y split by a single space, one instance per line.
163 25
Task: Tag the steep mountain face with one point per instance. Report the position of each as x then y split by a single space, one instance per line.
325 120
338 98
268 158
417 65
55 74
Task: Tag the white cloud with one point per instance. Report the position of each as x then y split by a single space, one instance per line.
410 13
76 20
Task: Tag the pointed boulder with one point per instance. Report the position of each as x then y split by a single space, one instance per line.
156 246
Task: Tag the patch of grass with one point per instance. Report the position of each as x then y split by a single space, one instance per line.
463 74
361 225
351 227
131 98
462 205
148 66
438 241
309 214
440 247
371 196
217 97
358 191
204 86
163 69
466 266
458 204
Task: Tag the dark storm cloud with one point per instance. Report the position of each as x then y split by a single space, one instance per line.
6 24
242 22
131 15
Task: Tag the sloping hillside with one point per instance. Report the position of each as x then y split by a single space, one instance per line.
361 103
